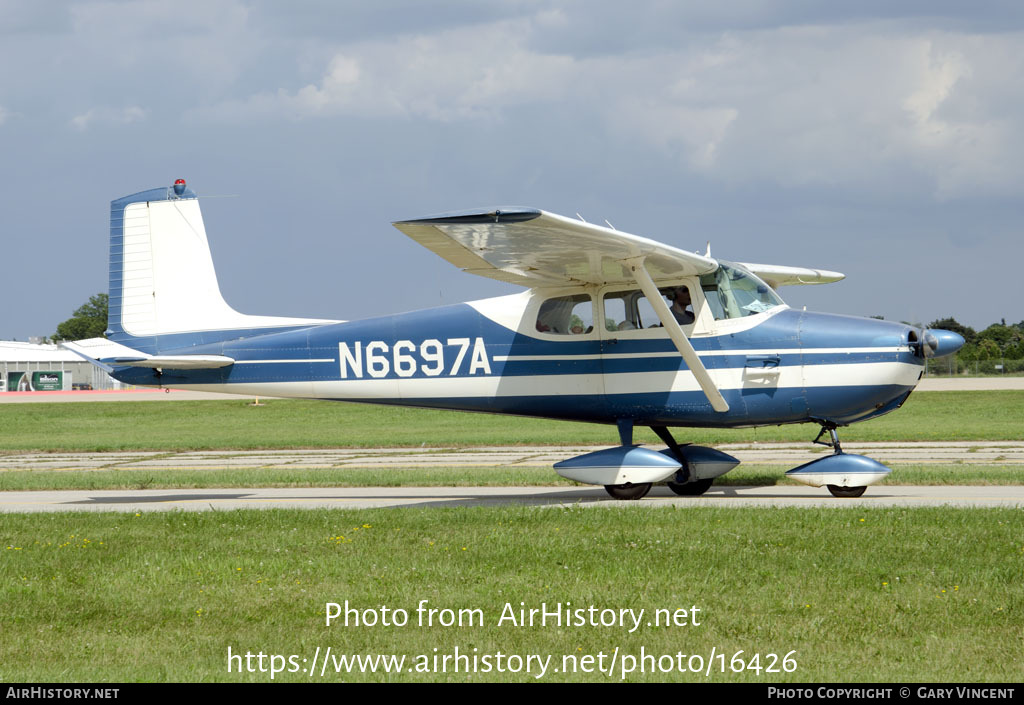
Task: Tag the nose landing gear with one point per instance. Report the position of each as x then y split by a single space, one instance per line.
837 490
844 474
834 443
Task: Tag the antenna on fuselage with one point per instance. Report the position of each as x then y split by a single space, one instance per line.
609 224
581 217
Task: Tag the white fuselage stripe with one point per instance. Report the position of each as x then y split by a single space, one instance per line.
658 382
700 353
275 362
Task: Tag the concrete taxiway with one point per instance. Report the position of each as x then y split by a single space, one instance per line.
135 501
411 459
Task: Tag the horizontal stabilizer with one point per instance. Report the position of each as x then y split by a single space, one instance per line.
177 362
107 354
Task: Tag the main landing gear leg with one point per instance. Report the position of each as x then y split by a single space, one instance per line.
686 486
159 374
836 490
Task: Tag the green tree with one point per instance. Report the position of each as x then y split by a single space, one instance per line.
1003 336
88 321
952 324
988 350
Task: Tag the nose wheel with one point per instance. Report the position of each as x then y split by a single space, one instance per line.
838 491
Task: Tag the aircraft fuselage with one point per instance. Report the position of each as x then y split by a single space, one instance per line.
780 366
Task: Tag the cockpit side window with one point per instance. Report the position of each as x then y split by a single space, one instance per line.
630 310
566 315
733 292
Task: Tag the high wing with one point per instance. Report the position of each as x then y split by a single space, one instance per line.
534 248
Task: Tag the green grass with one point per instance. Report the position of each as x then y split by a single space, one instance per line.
923 595
860 594
746 474
203 425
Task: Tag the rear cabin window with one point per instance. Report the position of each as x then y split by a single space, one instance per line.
566 315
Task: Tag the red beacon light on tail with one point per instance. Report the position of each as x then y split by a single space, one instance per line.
179 187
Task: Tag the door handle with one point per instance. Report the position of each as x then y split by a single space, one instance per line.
763 361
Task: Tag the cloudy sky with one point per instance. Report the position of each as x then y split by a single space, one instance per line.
881 139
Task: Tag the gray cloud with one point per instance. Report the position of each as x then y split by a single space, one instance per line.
793 105
878 139
107 116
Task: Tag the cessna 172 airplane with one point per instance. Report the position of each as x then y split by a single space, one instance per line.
593 338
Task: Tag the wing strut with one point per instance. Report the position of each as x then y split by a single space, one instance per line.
675 332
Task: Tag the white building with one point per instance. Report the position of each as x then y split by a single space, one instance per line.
30 367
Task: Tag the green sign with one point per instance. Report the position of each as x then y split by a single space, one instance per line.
47 381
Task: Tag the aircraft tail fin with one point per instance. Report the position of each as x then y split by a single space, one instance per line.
164 292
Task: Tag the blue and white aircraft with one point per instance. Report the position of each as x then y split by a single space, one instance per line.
612 328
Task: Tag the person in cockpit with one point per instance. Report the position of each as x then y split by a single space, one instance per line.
681 306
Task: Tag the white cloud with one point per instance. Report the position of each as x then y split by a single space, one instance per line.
938 76
186 49
853 104
835 106
695 133
464 73
108 116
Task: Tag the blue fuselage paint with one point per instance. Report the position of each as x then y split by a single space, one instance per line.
793 367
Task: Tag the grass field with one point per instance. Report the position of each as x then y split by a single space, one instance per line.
863 595
200 425
927 595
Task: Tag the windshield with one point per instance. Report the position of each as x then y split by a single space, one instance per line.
734 292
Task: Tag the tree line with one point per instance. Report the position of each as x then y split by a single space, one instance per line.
999 340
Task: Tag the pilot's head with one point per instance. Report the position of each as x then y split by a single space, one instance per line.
681 295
